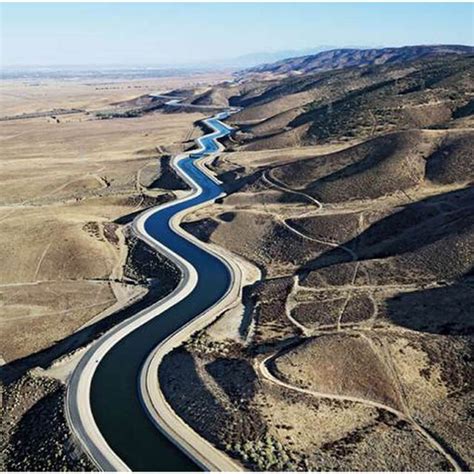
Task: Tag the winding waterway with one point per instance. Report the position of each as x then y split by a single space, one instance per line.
115 400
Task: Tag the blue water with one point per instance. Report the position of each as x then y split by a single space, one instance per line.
115 400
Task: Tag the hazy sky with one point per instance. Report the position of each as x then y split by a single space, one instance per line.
153 33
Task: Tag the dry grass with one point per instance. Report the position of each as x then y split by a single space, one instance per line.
82 153
322 365
19 97
265 158
36 315
334 436
62 186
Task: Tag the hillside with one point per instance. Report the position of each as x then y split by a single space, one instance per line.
347 57
358 94
361 103
391 163
350 204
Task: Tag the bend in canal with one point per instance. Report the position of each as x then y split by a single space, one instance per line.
115 401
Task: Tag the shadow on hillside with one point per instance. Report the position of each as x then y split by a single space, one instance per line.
444 310
143 265
212 416
375 151
236 377
44 358
189 396
41 441
411 228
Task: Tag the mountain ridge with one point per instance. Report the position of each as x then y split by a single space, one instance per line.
353 57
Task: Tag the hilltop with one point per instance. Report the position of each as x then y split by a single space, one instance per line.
351 57
388 90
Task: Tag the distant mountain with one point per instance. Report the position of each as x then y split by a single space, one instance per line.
351 57
255 59
264 57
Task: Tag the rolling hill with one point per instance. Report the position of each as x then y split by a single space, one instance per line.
350 196
350 57
340 95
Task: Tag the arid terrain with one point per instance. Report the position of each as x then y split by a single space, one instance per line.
350 201
71 268
351 194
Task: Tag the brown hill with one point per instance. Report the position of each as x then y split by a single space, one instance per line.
362 102
383 165
365 251
342 58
